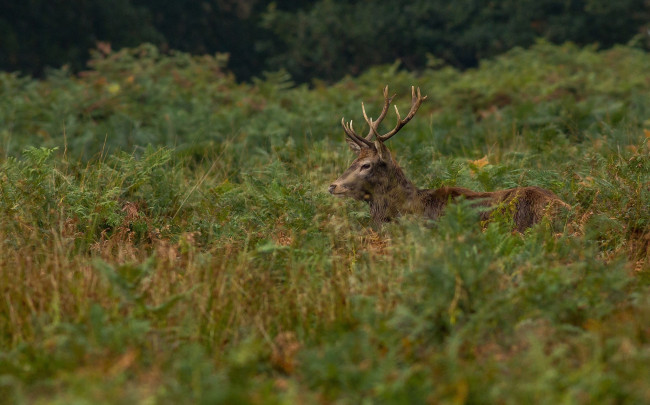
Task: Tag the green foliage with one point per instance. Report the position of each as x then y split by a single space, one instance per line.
312 40
123 195
332 39
166 236
41 35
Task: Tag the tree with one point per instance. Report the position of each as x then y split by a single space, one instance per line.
35 34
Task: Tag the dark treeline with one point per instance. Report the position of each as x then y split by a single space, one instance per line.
323 39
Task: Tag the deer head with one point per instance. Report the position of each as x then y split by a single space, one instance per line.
375 175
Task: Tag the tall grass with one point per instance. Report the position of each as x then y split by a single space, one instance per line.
166 236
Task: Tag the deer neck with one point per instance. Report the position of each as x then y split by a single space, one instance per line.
393 197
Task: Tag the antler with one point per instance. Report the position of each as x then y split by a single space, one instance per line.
416 101
375 124
349 131
359 140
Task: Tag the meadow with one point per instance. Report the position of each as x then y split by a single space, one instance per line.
166 236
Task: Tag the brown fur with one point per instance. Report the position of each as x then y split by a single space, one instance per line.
383 185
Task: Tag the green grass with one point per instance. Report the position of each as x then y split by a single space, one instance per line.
166 237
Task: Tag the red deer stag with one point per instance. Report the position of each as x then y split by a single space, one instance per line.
375 177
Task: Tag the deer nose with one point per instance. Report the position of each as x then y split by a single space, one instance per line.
331 189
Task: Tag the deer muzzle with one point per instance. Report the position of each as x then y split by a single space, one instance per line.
337 190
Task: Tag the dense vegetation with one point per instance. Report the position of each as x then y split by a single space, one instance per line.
166 236
322 39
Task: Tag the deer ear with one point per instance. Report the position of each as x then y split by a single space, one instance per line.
354 147
382 151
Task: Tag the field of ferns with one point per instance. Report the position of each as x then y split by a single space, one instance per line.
166 236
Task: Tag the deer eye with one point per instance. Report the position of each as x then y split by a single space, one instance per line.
365 166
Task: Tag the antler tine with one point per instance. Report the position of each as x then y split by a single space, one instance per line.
416 101
349 131
373 129
371 124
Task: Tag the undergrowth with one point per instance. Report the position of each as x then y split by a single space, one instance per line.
166 236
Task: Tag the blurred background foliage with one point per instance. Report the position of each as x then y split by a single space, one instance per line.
324 39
